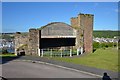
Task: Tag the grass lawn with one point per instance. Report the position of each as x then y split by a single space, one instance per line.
101 58
7 55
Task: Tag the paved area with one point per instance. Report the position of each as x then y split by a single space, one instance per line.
20 69
70 65
64 64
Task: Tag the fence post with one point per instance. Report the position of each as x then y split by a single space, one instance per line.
81 50
61 52
70 52
38 52
42 53
77 51
51 53
16 52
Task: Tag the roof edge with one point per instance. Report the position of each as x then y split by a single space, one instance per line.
53 23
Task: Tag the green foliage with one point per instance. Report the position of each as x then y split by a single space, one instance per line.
96 45
105 34
7 55
6 36
104 45
4 51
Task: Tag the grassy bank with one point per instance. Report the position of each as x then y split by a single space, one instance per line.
7 55
101 58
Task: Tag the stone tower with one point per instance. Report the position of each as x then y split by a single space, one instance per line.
83 24
34 41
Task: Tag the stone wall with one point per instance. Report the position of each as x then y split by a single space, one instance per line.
21 42
34 41
84 26
74 22
87 24
81 27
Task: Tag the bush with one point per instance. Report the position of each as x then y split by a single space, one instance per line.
96 45
103 45
4 51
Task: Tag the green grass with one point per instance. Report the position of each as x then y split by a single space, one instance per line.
7 55
101 58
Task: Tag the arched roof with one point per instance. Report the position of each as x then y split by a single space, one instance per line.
57 29
55 23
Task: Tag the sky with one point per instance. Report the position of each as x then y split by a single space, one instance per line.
21 16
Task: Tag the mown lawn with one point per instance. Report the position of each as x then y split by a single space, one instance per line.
101 58
7 55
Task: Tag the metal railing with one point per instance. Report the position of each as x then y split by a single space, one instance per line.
58 52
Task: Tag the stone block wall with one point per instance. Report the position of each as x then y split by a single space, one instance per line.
83 23
74 22
87 24
34 41
21 41
83 29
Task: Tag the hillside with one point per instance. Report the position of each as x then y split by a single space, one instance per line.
96 33
105 34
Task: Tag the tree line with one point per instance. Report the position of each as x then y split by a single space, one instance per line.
105 34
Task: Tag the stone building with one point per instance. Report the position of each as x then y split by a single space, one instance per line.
58 34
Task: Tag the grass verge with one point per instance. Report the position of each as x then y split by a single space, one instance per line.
7 55
101 58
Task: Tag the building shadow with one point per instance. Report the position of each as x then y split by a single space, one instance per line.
5 59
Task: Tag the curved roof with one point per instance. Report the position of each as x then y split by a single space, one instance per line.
57 29
53 23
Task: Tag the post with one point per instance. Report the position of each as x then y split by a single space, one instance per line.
38 52
70 52
61 52
77 51
51 53
81 50
16 52
42 53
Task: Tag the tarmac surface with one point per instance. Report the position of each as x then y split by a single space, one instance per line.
75 67
22 69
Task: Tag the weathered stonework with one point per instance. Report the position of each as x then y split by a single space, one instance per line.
84 26
81 29
21 42
34 41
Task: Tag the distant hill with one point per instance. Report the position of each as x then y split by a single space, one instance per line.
105 34
96 33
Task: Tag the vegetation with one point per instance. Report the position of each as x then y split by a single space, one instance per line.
96 33
105 34
7 36
97 45
101 58
7 55
4 51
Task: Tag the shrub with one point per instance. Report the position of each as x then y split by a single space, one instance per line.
96 45
4 51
